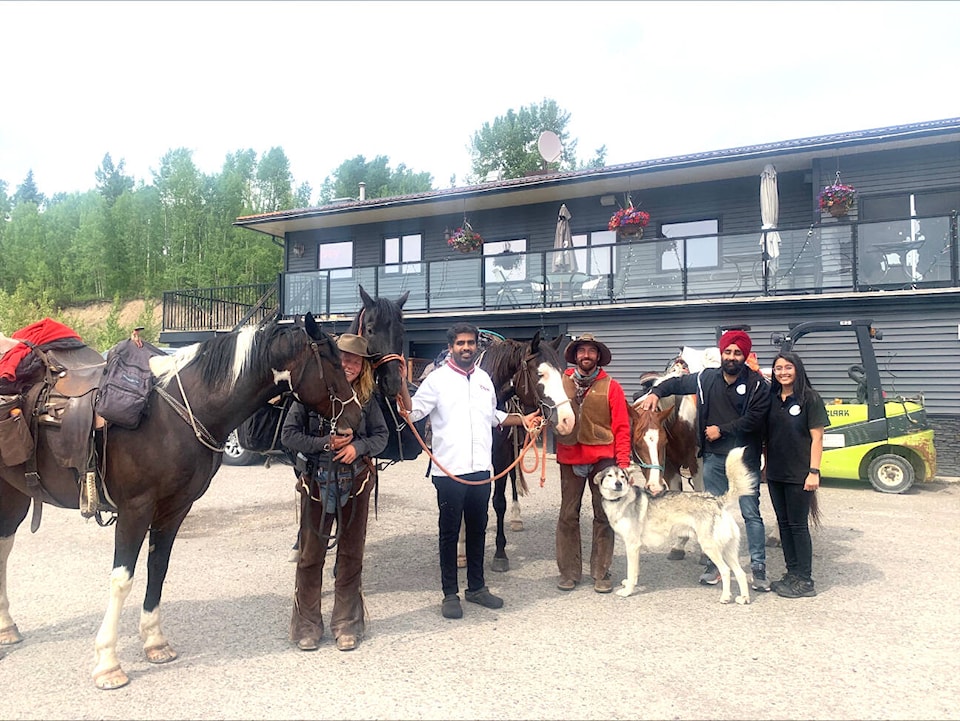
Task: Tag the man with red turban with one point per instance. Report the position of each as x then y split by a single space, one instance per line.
732 403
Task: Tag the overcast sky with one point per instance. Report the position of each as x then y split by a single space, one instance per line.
327 81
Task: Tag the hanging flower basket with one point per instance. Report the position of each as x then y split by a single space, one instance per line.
838 210
837 199
465 239
630 232
629 223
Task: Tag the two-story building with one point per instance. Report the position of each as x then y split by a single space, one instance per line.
735 237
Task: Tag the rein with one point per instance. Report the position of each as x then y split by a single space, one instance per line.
530 441
186 413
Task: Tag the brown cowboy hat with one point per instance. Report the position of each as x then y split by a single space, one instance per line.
570 354
350 343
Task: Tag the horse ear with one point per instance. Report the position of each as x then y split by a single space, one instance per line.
535 343
367 300
403 299
310 325
557 342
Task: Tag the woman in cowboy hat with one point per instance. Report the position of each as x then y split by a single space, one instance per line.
335 483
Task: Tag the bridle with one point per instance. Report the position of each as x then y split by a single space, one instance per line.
521 378
337 406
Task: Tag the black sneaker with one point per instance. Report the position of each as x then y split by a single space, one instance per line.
760 582
710 576
451 606
484 598
797 588
785 578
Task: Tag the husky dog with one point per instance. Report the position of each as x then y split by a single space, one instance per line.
640 520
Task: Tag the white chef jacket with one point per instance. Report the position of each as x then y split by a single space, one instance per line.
463 409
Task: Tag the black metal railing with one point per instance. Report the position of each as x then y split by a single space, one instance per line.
218 309
830 256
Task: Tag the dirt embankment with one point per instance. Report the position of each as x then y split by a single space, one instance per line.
93 314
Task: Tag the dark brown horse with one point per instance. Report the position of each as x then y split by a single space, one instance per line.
380 321
527 375
154 473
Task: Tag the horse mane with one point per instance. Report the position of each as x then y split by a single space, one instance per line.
502 358
221 360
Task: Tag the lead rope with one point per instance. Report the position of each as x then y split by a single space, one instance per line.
530 441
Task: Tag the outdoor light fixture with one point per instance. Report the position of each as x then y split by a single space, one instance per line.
607 200
298 250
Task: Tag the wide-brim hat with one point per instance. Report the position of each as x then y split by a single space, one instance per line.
350 343
570 354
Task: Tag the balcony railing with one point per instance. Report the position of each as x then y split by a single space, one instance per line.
835 256
831 257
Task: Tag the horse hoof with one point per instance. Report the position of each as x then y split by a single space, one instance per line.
162 653
10 635
676 554
516 525
110 679
500 564
461 561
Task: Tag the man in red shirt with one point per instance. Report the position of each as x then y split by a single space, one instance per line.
601 437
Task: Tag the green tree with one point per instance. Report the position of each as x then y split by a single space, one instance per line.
111 182
181 187
508 145
28 192
274 182
380 180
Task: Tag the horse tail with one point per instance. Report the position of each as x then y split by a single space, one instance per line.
815 515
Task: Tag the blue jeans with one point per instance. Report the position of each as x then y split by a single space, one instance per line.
715 482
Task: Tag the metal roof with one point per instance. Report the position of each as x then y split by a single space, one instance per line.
659 172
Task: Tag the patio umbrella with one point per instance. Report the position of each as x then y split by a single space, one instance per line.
566 260
769 216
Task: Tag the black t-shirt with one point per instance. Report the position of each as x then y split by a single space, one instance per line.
788 435
726 404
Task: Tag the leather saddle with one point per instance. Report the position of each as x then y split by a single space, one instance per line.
61 409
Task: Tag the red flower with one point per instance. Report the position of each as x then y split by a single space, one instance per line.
628 216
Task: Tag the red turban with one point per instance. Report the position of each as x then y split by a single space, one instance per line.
738 338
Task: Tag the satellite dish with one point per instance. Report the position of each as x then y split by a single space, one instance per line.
549 146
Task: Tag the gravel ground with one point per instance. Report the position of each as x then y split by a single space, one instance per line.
880 641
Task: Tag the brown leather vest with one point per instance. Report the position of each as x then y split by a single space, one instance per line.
593 415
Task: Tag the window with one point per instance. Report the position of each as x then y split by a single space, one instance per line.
337 256
593 254
908 205
405 251
696 238
505 259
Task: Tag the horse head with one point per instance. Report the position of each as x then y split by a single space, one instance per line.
542 362
648 441
317 380
380 321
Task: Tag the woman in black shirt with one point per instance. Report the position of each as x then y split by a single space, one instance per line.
794 446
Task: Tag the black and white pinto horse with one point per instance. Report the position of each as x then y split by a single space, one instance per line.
153 474
527 375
